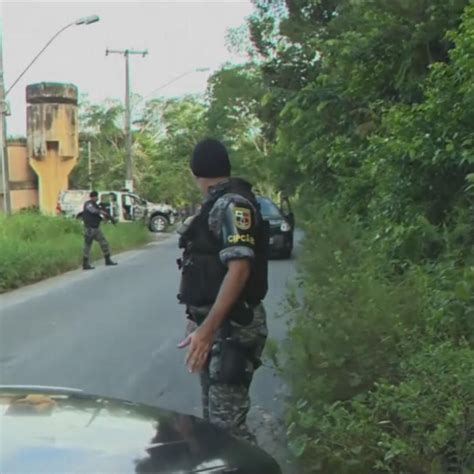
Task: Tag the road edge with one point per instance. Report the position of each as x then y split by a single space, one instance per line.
37 286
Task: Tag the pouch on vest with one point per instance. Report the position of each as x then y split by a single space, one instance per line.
201 279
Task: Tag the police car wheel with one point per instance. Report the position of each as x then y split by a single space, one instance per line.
158 223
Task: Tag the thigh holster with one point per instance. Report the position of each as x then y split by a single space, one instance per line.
230 364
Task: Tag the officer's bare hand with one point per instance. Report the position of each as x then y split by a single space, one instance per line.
200 343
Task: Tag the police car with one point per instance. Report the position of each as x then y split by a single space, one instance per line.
123 206
282 225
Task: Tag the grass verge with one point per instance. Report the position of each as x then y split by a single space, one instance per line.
35 247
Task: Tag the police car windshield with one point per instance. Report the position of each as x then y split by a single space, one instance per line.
268 208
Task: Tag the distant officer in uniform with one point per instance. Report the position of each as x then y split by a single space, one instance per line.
223 283
92 217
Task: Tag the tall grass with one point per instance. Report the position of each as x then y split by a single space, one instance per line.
34 247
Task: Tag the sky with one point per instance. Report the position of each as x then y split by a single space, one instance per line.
180 36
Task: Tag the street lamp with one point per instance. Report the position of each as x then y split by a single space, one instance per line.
87 20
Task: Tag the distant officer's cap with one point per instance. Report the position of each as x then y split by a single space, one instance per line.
93 194
210 159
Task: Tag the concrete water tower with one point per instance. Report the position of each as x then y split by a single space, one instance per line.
52 137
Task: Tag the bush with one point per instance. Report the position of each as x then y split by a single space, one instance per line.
352 319
380 363
35 247
424 424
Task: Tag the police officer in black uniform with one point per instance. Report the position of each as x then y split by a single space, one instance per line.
92 215
223 283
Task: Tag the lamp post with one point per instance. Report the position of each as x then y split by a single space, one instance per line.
3 94
3 134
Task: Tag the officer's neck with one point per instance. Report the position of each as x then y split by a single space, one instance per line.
208 184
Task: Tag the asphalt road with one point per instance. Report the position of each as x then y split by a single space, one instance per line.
113 332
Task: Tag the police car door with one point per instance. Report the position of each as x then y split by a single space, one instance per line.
285 208
104 201
138 209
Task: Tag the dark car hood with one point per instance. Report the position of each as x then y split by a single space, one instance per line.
46 430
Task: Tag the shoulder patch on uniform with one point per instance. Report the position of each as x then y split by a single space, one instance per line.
242 218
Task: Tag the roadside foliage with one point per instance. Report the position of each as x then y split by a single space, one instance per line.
35 247
368 107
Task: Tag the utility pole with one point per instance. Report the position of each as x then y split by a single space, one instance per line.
89 161
128 117
3 134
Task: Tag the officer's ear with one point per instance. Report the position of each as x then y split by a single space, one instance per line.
202 183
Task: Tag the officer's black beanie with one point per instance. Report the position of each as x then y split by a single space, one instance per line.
210 159
93 194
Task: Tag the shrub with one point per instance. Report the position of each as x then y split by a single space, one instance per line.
349 325
380 363
424 424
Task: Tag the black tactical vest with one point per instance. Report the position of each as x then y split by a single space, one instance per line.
201 267
90 219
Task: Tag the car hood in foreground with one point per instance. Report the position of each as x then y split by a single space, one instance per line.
46 430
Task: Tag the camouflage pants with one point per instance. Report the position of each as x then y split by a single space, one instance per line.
91 234
226 405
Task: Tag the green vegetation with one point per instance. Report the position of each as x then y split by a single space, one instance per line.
380 360
35 247
162 145
369 112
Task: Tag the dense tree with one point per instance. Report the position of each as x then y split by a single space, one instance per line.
170 130
163 139
367 107
234 114
102 127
